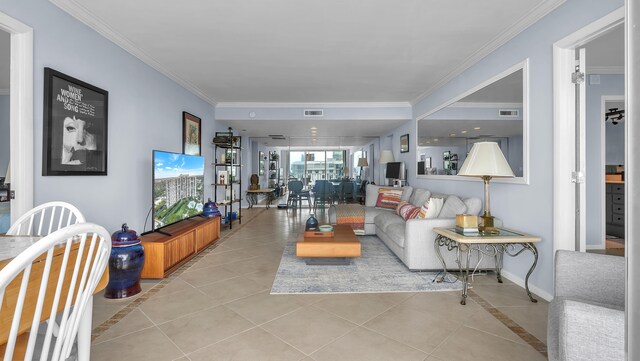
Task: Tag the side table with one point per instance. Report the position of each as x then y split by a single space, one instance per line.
252 196
493 245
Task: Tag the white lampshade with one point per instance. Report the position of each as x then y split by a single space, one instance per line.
486 159
386 156
362 162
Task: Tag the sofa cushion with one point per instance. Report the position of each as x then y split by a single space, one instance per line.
419 197
474 205
452 206
386 219
370 213
407 210
406 193
396 231
388 198
431 208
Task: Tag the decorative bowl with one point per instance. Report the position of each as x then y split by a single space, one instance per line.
326 228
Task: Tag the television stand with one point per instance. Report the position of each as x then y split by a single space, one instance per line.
167 250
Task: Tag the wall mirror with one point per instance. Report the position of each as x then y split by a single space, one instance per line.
494 111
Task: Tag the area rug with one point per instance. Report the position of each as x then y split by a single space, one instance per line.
377 270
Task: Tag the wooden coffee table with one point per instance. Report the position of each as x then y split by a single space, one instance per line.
333 250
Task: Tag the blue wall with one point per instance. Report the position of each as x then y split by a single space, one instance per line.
524 207
4 134
609 85
145 113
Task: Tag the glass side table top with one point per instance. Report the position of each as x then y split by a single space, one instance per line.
501 233
504 236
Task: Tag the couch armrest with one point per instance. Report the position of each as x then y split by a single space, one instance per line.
584 331
419 235
591 277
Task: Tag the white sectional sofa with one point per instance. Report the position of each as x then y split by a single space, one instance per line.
413 240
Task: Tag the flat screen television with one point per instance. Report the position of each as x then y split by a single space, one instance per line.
395 170
178 187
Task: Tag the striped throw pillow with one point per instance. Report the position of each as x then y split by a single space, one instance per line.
388 198
431 209
407 210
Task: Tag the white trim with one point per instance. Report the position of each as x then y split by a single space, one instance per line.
484 105
5 91
524 65
563 125
520 282
603 162
313 105
605 70
532 17
21 114
83 15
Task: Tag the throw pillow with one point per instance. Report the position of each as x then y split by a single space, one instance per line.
419 197
454 205
388 198
408 211
399 207
431 209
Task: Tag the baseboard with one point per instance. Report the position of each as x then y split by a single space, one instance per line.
520 282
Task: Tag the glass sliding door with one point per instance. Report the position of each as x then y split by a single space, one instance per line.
309 166
296 165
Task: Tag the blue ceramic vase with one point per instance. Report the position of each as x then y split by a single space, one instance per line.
312 223
210 209
125 264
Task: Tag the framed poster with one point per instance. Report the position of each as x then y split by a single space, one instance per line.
191 134
75 126
404 143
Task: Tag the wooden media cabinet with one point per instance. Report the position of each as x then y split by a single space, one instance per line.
164 254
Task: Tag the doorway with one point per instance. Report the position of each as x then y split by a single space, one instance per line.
20 114
569 206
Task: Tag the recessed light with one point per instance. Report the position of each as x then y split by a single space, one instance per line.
313 128
452 134
435 140
428 142
463 131
252 114
477 128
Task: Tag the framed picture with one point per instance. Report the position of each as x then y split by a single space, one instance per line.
404 143
75 126
191 134
427 162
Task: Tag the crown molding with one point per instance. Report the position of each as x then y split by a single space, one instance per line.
484 105
84 16
5 92
250 105
531 18
605 70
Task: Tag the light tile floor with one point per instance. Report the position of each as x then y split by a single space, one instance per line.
219 307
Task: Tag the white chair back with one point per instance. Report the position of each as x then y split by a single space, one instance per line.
46 218
85 250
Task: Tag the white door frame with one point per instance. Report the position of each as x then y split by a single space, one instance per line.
603 160
21 114
564 126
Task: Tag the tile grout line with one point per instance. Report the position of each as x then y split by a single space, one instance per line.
126 310
530 339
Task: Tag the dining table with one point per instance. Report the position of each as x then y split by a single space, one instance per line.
12 246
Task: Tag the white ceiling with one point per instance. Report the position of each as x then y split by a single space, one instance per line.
310 51
505 90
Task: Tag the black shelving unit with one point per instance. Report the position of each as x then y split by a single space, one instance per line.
275 176
228 175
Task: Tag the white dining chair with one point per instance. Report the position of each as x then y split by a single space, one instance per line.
46 218
79 274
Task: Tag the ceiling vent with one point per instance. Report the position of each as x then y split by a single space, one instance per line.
277 136
508 113
313 112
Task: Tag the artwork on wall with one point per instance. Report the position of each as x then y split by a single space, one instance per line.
191 134
404 143
75 126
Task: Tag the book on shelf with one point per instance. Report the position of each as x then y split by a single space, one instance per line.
223 177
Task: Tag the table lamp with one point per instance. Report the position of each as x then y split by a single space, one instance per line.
362 162
486 161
